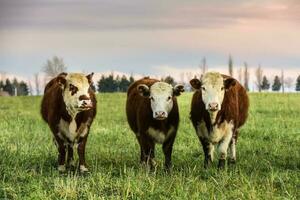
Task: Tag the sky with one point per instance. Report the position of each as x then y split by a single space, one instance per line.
154 37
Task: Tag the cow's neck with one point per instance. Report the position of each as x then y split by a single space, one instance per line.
213 117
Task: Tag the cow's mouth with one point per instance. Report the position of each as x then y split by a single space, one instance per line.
85 107
213 110
160 118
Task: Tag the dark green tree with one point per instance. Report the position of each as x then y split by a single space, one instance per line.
169 79
277 84
265 85
107 84
131 79
124 84
8 87
298 83
22 89
1 85
230 66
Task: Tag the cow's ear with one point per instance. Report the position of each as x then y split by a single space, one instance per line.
229 82
195 83
143 90
90 78
61 79
178 89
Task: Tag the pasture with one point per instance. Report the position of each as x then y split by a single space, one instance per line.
268 156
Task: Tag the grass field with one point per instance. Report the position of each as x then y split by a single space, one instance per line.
268 153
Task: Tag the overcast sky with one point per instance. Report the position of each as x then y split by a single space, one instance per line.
149 37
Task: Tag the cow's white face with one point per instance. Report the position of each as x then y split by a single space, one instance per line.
212 86
161 96
76 91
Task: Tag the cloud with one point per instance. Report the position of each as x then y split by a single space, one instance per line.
117 14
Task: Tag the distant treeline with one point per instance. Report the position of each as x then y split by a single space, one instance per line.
118 83
114 84
14 88
111 83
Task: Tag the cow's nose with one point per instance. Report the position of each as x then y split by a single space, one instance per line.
213 106
83 97
160 115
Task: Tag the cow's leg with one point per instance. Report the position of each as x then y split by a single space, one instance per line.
70 157
232 151
223 147
147 150
167 149
81 154
61 154
208 149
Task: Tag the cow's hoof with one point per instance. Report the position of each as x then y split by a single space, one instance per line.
221 164
207 163
168 167
61 168
232 161
83 169
71 165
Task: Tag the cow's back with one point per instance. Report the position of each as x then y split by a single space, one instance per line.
136 102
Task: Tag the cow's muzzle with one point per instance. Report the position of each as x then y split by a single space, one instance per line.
160 115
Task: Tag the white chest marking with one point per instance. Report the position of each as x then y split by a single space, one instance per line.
159 136
218 133
69 129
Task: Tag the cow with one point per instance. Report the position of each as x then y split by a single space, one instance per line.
219 108
152 114
69 107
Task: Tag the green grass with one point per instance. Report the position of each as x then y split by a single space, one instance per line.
268 153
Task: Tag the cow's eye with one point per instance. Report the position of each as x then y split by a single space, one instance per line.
203 88
169 98
152 99
222 88
73 89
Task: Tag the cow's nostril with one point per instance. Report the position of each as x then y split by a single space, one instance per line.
213 106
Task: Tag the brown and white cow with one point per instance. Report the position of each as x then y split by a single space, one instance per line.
69 107
152 114
219 108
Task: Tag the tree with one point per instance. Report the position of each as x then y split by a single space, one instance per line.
169 79
107 84
203 66
282 81
246 76
16 86
298 84
37 83
259 75
22 89
8 87
277 84
131 79
230 66
54 67
124 84
240 74
1 85
265 84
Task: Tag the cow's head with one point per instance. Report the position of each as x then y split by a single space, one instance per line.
161 96
213 87
75 88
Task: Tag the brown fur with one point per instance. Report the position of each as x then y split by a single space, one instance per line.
139 116
234 108
53 109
